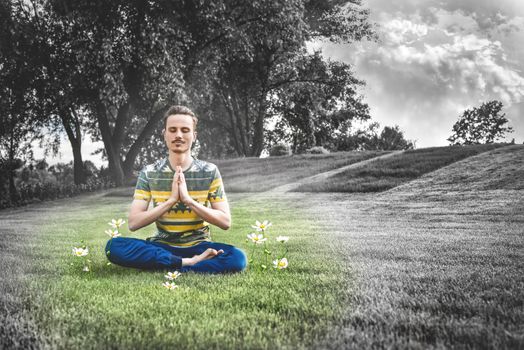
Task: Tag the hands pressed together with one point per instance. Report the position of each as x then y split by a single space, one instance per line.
179 192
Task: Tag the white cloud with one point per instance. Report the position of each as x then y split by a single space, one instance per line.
433 62
404 31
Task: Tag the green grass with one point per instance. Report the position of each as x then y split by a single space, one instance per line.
113 305
262 174
383 174
437 263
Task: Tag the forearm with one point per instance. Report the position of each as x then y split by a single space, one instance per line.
140 219
213 216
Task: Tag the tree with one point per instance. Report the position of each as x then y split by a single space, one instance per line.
20 117
137 57
64 93
59 90
484 124
264 64
319 106
392 138
369 138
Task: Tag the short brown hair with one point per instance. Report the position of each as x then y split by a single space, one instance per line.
180 110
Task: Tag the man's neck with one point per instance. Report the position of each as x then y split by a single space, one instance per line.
180 159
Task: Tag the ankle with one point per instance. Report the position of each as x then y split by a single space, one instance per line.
188 261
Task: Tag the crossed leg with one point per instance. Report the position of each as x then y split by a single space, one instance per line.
204 257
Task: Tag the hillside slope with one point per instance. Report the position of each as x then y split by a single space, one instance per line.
498 169
262 174
387 173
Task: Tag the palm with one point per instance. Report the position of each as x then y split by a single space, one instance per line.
175 194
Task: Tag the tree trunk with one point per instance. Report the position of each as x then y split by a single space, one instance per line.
72 127
239 128
135 148
13 193
258 130
78 163
115 166
232 129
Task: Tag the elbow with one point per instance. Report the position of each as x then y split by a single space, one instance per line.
131 225
227 225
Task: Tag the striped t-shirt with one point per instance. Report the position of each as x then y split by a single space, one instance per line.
180 225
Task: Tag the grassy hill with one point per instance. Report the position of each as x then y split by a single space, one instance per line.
262 174
258 175
498 169
387 173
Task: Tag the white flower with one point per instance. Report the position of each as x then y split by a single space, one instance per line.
116 223
112 233
280 263
170 285
172 275
80 251
261 226
257 238
86 268
282 239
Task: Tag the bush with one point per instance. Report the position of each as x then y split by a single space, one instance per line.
317 150
31 193
280 149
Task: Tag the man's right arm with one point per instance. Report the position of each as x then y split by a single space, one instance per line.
139 216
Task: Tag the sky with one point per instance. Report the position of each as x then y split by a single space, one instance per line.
434 59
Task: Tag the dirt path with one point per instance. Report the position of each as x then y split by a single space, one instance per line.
327 174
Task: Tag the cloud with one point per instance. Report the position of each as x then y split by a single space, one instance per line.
436 59
404 31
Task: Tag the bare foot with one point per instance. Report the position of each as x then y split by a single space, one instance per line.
208 254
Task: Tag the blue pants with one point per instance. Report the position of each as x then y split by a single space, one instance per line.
142 254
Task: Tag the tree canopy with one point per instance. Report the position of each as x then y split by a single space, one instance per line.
483 124
110 69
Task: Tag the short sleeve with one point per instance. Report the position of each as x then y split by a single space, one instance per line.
216 189
142 190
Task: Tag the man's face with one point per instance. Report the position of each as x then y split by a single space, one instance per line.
179 133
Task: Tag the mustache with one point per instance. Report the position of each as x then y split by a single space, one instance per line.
174 141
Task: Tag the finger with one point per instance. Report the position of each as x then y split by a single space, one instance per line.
220 251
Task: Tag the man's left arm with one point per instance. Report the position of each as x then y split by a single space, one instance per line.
219 213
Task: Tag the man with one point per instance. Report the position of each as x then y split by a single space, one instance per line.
182 188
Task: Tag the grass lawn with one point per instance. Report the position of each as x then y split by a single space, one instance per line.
114 306
430 272
433 264
258 175
387 173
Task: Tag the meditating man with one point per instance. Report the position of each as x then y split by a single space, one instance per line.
187 196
